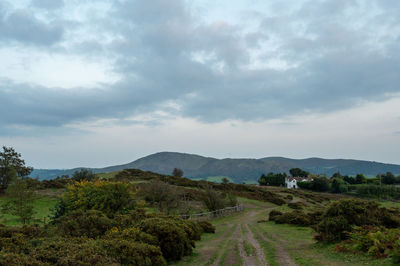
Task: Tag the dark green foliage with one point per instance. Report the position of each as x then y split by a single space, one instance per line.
83 174
305 185
319 184
296 205
360 179
7 258
20 200
294 217
78 223
382 191
289 197
173 240
177 172
298 172
272 179
70 251
131 233
108 197
212 199
206 226
161 195
273 214
338 186
11 165
128 252
388 178
378 242
341 216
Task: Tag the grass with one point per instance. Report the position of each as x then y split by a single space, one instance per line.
269 249
108 175
390 204
248 248
299 243
42 207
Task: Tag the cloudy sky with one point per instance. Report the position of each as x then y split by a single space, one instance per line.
103 82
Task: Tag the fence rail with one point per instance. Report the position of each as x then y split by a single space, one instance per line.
213 214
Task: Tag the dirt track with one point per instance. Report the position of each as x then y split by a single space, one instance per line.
240 242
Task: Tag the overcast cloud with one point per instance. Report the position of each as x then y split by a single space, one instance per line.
147 63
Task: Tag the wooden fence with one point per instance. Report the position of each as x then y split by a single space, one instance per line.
213 214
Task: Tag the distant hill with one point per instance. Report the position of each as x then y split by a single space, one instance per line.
195 166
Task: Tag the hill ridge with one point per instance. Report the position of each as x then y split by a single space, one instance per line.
239 169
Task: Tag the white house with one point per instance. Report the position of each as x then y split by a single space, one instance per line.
291 182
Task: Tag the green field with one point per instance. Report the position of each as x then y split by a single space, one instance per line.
42 206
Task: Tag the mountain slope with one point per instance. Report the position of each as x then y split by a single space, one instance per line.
196 166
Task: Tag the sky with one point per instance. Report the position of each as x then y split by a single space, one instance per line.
103 82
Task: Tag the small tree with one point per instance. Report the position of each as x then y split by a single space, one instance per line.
360 179
212 199
10 160
177 172
298 172
83 174
162 195
388 178
225 180
20 200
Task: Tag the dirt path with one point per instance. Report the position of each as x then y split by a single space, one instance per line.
238 244
283 257
209 251
258 249
232 256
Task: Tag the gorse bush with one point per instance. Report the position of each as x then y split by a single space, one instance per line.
127 252
78 223
173 240
341 216
97 223
108 197
379 242
294 217
206 226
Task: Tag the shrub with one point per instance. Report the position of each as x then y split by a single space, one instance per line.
273 214
127 252
17 259
296 205
173 240
108 197
132 234
206 226
294 217
91 224
289 197
379 242
70 251
342 215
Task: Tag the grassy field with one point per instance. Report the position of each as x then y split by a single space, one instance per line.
239 238
42 207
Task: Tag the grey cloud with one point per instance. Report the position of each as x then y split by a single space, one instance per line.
22 26
335 66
